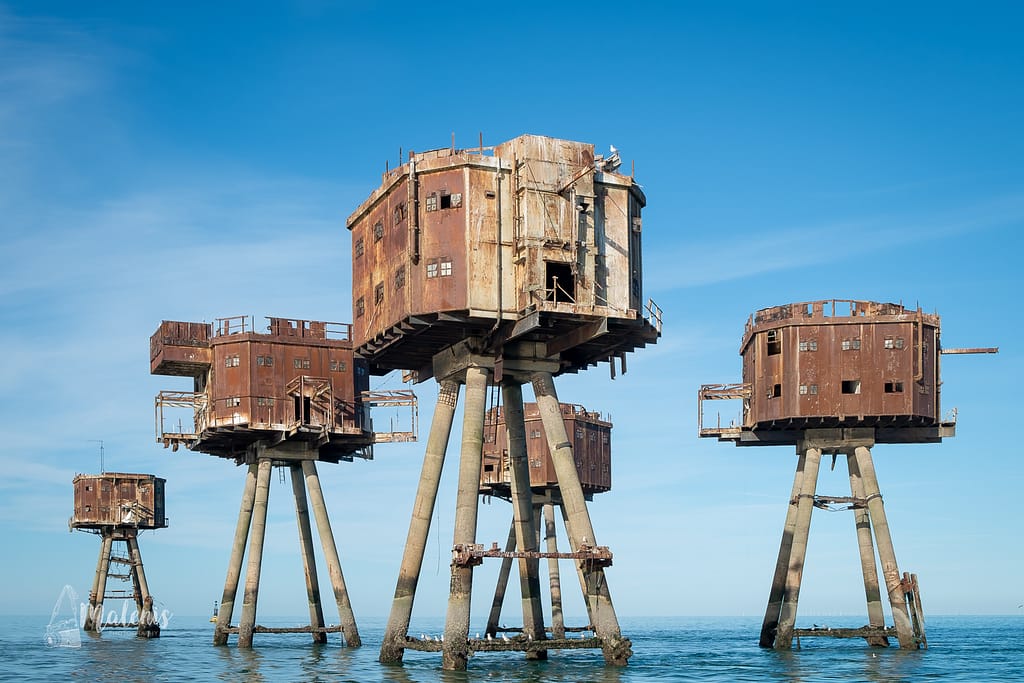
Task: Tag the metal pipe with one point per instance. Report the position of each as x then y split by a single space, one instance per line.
522 507
392 648
323 525
227 602
869 568
247 621
455 649
616 649
886 552
798 554
316 610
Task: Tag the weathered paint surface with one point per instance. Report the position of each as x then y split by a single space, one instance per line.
836 364
116 499
300 378
591 447
463 243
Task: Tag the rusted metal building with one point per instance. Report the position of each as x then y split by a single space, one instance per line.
591 448
500 266
536 239
835 377
117 506
289 396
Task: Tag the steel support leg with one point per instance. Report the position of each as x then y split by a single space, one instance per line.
148 627
580 530
392 649
794 574
455 650
94 619
227 603
252 576
554 581
316 610
323 525
502 585
886 552
774 610
868 564
523 522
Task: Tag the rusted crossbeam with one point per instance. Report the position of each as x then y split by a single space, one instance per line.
466 555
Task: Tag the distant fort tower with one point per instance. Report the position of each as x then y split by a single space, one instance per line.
291 396
590 434
499 266
835 378
117 506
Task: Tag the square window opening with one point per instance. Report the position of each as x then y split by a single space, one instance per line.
851 386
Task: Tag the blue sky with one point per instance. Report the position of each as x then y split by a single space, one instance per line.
186 162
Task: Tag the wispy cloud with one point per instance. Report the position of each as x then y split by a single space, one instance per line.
751 252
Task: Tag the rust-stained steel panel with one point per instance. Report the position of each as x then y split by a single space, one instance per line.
119 500
298 381
462 243
591 447
837 364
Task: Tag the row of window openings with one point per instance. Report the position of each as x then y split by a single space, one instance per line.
849 386
434 202
438 267
851 344
297 363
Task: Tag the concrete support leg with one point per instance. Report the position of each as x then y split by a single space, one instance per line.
316 610
774 610
94 619
502 584
227 603
554 581
794 574
323 525
523 519
148 626
868 565
392 649
886 552
456 629
578 525
247 621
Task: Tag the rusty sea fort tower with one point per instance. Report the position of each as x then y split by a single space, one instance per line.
117 506
497 267
837 377
291 396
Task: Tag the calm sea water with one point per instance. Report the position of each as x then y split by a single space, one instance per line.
665 649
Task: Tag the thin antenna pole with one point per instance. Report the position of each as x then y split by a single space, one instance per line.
100 442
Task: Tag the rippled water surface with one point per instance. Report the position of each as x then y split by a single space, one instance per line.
665 649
